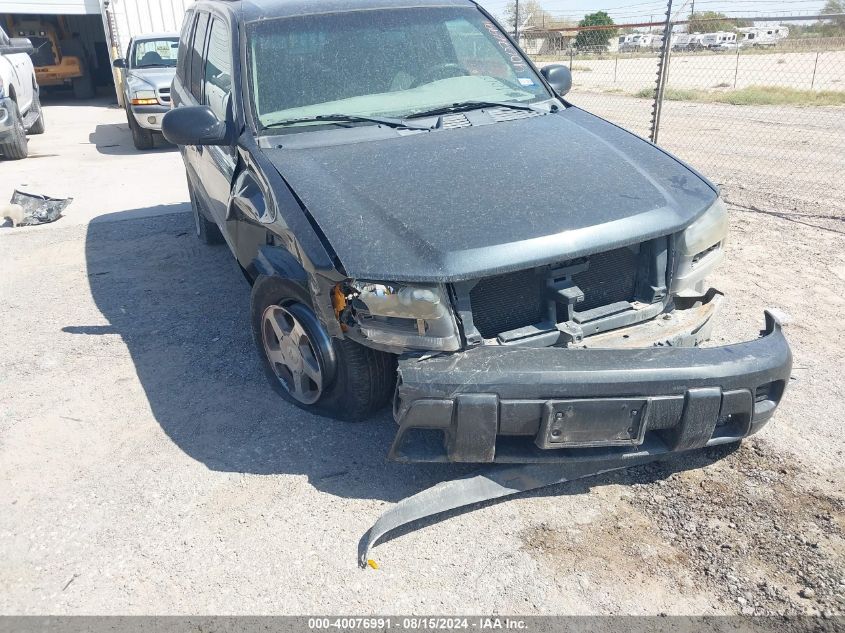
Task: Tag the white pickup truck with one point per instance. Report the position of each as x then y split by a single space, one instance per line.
20 106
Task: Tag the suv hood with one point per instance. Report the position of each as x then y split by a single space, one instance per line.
482 200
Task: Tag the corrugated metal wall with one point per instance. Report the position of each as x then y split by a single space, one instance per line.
136 17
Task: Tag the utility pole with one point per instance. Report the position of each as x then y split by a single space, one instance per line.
516 22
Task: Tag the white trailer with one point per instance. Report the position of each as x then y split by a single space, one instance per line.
763 35
717 39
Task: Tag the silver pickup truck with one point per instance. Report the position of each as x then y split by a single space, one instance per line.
20 107
149 67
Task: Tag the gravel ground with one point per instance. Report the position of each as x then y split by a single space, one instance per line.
146 467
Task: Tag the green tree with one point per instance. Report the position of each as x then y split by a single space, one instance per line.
709 21
595 38
835 6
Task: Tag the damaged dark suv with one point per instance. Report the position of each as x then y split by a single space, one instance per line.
423 216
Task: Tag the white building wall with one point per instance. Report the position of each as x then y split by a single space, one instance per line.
137 17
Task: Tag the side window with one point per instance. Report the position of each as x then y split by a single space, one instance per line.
196 56
218 68
185 47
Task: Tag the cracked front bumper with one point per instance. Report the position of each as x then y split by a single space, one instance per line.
516 404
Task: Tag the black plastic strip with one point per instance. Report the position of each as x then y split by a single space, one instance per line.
491 483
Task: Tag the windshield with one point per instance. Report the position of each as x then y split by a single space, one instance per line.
395 62
155 53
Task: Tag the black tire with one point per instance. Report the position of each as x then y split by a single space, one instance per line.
83 87
141 138
363 379
16 146
207 232
38 127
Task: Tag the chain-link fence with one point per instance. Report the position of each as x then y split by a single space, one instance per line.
755 108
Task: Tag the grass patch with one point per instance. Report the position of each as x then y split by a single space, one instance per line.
584 69
753 95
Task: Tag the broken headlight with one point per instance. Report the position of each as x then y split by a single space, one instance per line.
700 248
397 316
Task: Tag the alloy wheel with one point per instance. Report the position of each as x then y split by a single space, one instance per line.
291 354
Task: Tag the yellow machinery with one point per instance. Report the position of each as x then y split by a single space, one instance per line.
59 58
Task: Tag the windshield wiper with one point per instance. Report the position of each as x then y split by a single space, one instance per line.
351 118
463 106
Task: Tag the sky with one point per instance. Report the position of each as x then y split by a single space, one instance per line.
623 11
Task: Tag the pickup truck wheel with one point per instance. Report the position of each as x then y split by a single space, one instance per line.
16 147
141 138
335 378
38 127
207 232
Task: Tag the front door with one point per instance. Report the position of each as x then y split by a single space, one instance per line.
217 163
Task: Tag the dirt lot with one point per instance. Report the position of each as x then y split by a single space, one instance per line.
146 467
706 70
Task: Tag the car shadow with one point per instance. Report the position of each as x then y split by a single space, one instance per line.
181 308
53 95
115 139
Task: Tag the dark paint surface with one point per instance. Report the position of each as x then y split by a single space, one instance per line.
465 203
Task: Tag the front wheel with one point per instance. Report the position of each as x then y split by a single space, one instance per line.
16 145
207 232
141 138
335 378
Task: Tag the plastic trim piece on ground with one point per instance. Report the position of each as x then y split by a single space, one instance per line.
491 483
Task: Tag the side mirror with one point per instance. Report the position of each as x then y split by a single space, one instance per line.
119 63
559 78
195 125
18 45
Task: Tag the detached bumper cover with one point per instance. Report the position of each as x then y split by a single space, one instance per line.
510 404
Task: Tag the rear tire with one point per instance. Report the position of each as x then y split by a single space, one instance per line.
358 381
38 127
17 146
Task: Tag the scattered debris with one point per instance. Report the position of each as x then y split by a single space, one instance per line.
72 578
13 212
